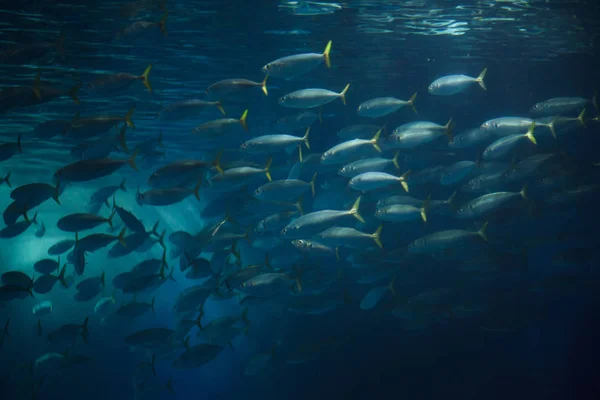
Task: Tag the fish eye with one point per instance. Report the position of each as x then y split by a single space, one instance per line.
268 66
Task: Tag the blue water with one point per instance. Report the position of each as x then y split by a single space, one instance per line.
528 344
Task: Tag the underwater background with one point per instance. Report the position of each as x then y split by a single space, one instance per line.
521 323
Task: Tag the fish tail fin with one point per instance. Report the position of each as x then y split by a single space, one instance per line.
154 231
243 120
320 115
377 236
171 277
5 331
551 126
452 200
411 102
312 184
217 162
103 278
305 138
480 79
263 86
391 286
580 118
343 94
113 296
73 92
298 284
268 168
85 332
375 140
131 160
128 120
36 86
121 237
122 140
7 180
159 141
109 220
60 43
122 185
219 106
267 261
61 277
354 210
482 232
448 129
161 239
425 208
146 77
169 385
152 365
56 194
595 100
529 133
395 160
244 317
162 24
19 143
299 204
403 182
326 54
152 305
300 153
197 189
525 191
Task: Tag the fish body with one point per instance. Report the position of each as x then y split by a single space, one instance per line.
373 164
453 84
197 356
369 181
455 173
188 109
506 145
88 170
290 67
311 98
351 150
382 106
166 196
559 106
178 173
227 87
81 221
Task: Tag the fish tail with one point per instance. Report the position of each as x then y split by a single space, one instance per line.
403 182
243 120
7 180
551 127
263 86
411 102
354 210
19 143
73 93
162 24
152 365
595 100
146 77
312 184
375 140
299 205
128 117
219 106
122 185
159 141
56 194
326 54
122 141
61 277
377 236
343 94
113 296
391 286
268 168
131 160
102 278
300 153
60 43
197 189
482 232
121 237
448 130
36 86
305 138
154 229
164 257
169 385
320 115
580 118
110 218
267 261
298 284
152 304
85 331
525 191
395 160
337 253
244 317
451 200
529 133
171 277
425 208
5 331
480 79
217 162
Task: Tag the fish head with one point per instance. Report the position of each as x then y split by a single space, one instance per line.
283 99
417 244
302 244
326 156
260 227
288 229
433 87
475 183
538 107
489 125
380 211
271 68
248 284
258 192
346 169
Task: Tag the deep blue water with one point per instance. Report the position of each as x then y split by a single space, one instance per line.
526 344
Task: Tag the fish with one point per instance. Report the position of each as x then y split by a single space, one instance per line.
69 332
227 87
297 65
42 309
453 84
383 106
188 109
112 83
88 170
166 196
272 143
505 146
8 150
348 237
82 221
368 181
197 356
351 150
375 295
488 203
221 127
560 106
311 98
